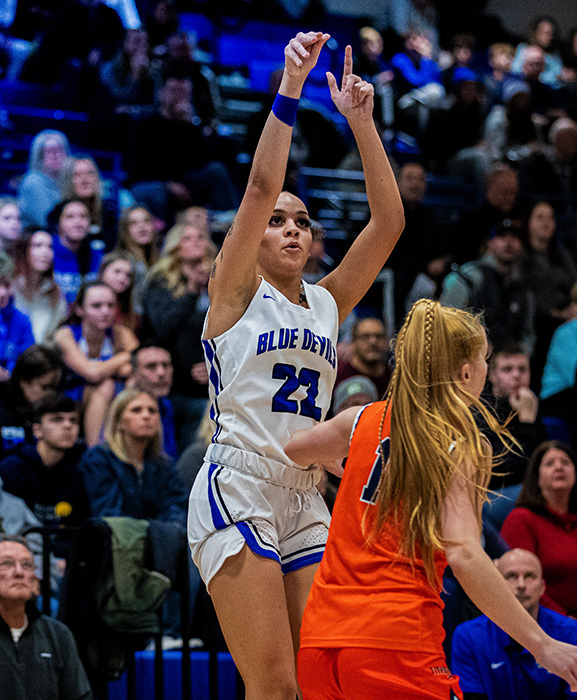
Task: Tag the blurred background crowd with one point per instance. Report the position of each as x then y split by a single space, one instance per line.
127 130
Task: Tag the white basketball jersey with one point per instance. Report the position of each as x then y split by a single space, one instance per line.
273 372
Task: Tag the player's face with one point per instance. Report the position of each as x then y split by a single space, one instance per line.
287 240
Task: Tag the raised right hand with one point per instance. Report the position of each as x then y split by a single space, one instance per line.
301 54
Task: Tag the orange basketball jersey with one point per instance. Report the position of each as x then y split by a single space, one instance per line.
369 595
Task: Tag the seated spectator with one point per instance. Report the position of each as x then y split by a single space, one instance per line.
10 225
544 33
96 350
39 657
129 474
493 285
15 327
137 236
127 78
81 180
545 102
371 65
545 522
500 202
152 372
461 56
35 290
414 67
509 131
500 59
168 160
452 141
161 22
509 393
40 189
76 257
491 665
354 391
558 385
175 304
118 271
421 242
37 372
46 475
179 60
369 354
552 171
550 272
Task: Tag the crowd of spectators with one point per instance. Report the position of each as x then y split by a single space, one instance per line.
103 285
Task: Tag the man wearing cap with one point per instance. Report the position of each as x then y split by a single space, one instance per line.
355 391
492 285
491 665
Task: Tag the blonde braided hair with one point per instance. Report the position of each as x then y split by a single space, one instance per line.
433 431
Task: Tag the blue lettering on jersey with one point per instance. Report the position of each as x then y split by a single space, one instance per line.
288 338
370 488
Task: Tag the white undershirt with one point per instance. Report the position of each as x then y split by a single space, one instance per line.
17 632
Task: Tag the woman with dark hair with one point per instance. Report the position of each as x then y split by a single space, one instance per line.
37 372
129 474
81 179
75 256
545 521
549 271
35 290
97 351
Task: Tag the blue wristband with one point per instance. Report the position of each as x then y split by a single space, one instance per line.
285 109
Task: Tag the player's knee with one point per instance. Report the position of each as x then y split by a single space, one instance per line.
274 686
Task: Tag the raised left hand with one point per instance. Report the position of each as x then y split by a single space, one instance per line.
356 97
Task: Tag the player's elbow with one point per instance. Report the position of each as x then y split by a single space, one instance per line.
461 556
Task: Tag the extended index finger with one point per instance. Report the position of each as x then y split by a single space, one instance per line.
348 66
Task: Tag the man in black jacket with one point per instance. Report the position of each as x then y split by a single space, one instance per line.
46 476
38 655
